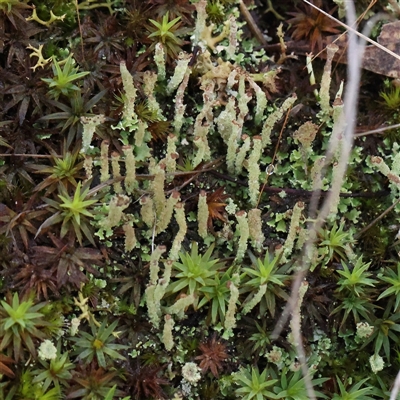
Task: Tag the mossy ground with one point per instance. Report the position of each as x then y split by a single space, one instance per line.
153 256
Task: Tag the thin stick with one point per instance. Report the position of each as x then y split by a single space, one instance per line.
378 130
80 29
252 24
396 388
359 19
355 31
377 219
206 168
31 155
274 156
346 124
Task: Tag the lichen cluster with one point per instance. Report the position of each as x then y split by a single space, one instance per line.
161 178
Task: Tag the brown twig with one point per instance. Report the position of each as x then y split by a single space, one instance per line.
31 155
274 156
346 126
255 30
376 220
352 30
80 28
209 167
378 130
299 192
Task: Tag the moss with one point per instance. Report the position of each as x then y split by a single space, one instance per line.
98 220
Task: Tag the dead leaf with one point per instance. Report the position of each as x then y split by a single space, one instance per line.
375 59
